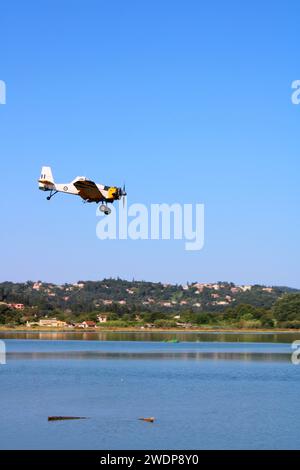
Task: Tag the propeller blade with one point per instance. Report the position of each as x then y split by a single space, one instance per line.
124 194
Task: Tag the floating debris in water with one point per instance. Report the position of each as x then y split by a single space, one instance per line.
148 420
64 418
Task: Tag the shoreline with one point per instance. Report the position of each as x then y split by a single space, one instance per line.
148 330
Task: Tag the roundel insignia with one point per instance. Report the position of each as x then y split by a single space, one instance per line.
65 188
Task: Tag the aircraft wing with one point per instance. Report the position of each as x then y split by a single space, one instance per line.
89 191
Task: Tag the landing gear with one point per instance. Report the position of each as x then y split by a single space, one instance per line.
52 193
106 210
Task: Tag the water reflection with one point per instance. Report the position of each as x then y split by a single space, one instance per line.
187 355
154 336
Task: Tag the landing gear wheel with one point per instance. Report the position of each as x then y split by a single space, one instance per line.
105 209
52 193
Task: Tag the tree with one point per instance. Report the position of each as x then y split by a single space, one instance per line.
287 308
203 318
8 315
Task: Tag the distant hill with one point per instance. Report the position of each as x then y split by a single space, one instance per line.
142 304
116 295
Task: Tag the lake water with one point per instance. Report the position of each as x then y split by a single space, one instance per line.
209 391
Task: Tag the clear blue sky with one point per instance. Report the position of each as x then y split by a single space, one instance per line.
188 101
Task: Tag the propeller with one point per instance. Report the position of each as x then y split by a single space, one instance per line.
123 194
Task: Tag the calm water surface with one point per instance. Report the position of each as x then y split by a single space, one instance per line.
210 391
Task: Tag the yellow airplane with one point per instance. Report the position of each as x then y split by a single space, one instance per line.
83 187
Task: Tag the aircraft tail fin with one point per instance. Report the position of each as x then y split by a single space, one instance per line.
46 180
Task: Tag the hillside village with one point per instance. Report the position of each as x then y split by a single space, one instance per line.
88 304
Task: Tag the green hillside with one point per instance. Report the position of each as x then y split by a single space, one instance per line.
133 303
